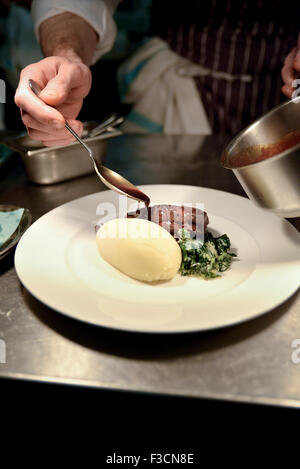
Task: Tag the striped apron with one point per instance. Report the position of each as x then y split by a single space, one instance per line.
240 45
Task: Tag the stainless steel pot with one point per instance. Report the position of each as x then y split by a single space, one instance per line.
273 183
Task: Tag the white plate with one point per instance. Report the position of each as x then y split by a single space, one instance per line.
58 262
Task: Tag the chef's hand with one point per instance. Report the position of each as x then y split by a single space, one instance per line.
64 84
291 70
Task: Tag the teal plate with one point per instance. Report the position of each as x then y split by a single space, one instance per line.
24 223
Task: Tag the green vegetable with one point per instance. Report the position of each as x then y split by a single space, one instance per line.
206 258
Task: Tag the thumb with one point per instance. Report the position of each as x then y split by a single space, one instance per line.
57 90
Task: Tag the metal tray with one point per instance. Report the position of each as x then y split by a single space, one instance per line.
49 165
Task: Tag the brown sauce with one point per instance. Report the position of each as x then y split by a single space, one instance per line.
257 153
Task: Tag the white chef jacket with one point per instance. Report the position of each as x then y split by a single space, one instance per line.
98 13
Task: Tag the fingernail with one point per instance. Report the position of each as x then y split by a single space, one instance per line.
57 124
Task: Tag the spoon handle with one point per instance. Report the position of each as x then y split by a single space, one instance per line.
70 129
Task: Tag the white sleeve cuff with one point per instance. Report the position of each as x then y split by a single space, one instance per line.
98 13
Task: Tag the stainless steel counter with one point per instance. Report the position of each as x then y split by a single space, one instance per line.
251 362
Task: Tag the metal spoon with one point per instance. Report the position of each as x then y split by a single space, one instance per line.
110 178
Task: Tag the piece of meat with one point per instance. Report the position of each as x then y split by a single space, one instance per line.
174 217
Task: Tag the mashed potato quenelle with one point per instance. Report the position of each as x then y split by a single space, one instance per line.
139 248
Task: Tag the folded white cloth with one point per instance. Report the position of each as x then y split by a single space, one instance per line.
163 100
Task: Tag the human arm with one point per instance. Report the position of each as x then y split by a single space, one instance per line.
69 43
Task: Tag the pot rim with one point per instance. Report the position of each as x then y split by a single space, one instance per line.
250 127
